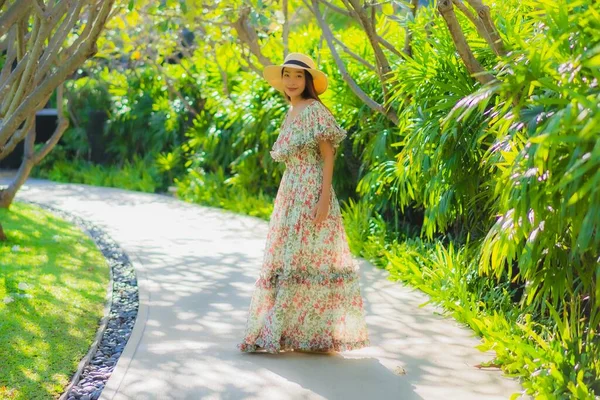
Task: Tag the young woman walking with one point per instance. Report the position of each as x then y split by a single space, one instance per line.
307 296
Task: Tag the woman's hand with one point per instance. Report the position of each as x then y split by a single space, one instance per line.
321 210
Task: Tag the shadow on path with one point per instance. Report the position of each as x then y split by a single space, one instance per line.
199 267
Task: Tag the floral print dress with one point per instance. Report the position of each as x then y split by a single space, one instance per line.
307 296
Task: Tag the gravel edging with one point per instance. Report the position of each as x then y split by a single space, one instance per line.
120 314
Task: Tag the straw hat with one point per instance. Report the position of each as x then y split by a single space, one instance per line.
272 73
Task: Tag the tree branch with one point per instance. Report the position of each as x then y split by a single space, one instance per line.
389 46
286 28
383 65
251 65
66 54
473 66
38 9
247 35
33 100
484 14
34 86
18 55
336 8
38 37
475 21
16 12
345 75
51 53
11 56
61 127
17 137
345 48
354 55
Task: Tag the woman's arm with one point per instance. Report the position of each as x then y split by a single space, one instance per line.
322 208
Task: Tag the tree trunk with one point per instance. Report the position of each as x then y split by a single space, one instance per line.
32 158
3 237
446 8
8 195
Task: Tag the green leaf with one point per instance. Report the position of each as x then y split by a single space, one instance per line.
565 333
583 191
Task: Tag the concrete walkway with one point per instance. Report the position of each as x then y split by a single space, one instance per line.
196 268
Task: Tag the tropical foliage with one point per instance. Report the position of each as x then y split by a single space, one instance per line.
481 190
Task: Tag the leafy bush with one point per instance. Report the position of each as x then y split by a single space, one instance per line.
211 189
553 357
134 175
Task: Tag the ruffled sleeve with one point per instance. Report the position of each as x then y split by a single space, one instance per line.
322 126
312 124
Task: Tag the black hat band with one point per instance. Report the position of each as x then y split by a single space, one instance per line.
296 62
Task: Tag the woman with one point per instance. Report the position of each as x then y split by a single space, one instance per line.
307 297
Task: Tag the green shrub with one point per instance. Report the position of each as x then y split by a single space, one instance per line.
136 175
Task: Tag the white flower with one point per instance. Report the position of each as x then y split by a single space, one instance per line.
56 238
23 286
15 248
8 299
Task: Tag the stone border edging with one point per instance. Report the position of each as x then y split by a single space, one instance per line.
113 385
117 317
103 324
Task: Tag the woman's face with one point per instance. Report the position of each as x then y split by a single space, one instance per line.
293 81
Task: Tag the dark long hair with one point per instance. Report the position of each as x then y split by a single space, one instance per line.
309 92
309 88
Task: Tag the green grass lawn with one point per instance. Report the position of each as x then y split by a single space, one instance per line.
53 282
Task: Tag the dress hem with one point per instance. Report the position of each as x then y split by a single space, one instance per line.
284 345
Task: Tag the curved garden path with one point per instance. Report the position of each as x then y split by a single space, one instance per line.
196 267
